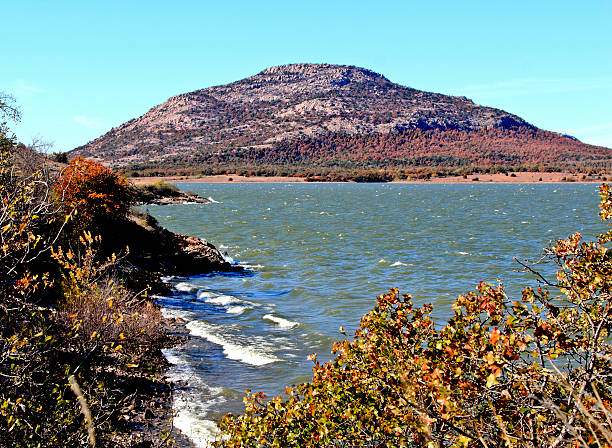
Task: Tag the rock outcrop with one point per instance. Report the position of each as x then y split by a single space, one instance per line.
148 251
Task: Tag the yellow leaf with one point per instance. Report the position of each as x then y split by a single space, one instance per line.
463 441
492 380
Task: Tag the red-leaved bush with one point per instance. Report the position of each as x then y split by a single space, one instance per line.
93 190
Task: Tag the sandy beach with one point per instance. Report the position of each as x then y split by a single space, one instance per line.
518 177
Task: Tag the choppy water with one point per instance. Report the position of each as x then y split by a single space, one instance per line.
319 254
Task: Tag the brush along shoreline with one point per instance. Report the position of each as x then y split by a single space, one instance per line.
154 253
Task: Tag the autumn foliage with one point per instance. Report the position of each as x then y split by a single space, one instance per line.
93 190
529 372
71 335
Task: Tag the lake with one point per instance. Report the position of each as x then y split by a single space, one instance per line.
317 255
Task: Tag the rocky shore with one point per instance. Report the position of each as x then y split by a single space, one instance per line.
155 252
183 198
163 193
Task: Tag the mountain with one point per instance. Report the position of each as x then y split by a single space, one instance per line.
312 115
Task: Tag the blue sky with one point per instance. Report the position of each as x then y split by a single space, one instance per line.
79 68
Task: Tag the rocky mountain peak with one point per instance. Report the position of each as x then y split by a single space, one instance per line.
319 76
333 71
298 107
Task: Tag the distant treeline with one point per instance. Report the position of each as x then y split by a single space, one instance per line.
365 174
400 155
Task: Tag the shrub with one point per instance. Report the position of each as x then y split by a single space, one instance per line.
166 189
158 189
102 314
527 373
93 191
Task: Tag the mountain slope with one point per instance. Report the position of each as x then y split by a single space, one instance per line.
313 114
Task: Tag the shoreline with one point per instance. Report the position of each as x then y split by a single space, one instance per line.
511 178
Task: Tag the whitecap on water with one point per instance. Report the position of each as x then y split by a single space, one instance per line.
192 401
236 309
222 300
231 349
185 287
282 323
399 263
251 266
212 201
177 314
200 431
205 294
227 258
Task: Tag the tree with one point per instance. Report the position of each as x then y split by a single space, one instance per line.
519 373
8 111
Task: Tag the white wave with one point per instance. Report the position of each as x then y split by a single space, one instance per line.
282 323
236 309
382 260
399 263
232 305
171 355
205 294
251 266
223 246
463 253
185 287
213 201
177 314
227 258
232 350
192 400
200 431
223 300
